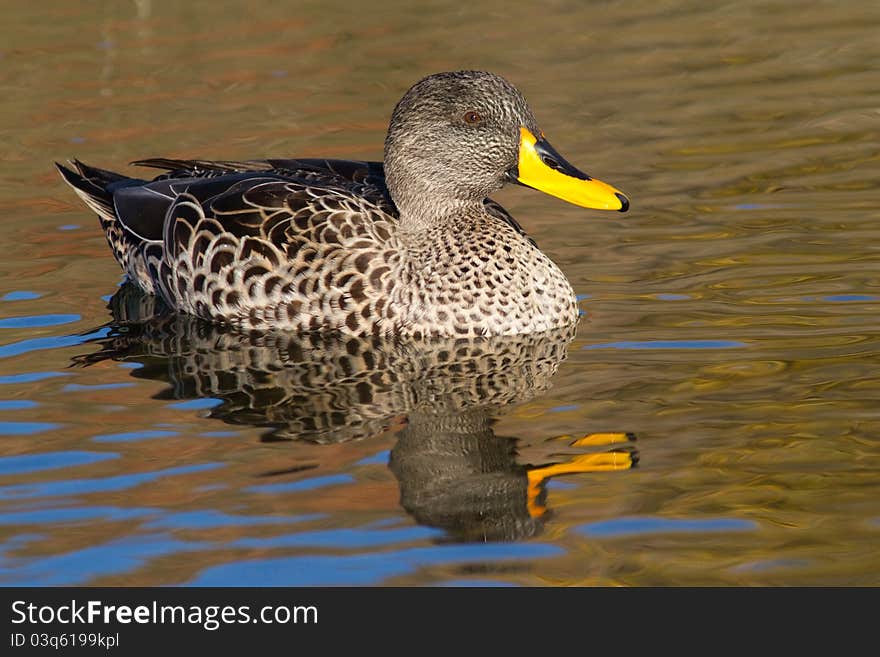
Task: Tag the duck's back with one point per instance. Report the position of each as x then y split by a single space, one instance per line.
288 244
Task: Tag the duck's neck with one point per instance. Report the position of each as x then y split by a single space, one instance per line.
419 214
425 197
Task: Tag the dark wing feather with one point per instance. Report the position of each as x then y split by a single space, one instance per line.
201 168
312 170
277 210
142 209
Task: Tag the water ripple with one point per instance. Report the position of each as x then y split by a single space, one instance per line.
81 566
342 538
640 526
669 344
49 461
99 485
303 484
364 569
25 428
38 321
39 344
133 436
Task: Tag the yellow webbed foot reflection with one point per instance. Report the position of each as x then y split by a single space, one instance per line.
615 459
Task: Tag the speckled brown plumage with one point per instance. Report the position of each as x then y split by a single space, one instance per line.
333 245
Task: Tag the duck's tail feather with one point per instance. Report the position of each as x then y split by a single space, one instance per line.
96 187
92 186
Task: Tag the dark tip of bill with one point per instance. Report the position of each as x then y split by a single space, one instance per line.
624 202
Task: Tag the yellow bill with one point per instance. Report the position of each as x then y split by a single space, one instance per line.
542 168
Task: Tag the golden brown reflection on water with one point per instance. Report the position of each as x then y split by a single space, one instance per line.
731 315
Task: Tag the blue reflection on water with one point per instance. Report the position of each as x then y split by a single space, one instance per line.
20 295
354 538
196 404
653 525
133 436
38 321
364 569
30 377
559 484
99 485
157 518
25 428
57 342
668 296
81 566
17 404
49 460
670 344
851 297
72 515
379 458
303 484
209 519
80 387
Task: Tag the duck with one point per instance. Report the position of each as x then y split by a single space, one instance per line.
412 246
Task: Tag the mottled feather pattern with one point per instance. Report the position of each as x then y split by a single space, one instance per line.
279 255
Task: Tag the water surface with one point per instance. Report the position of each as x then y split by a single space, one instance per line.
730 318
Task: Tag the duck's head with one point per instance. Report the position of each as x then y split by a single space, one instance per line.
455 138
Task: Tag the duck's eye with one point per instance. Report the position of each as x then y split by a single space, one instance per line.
472 117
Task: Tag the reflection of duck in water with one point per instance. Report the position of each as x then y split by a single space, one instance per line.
454 472
411 246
